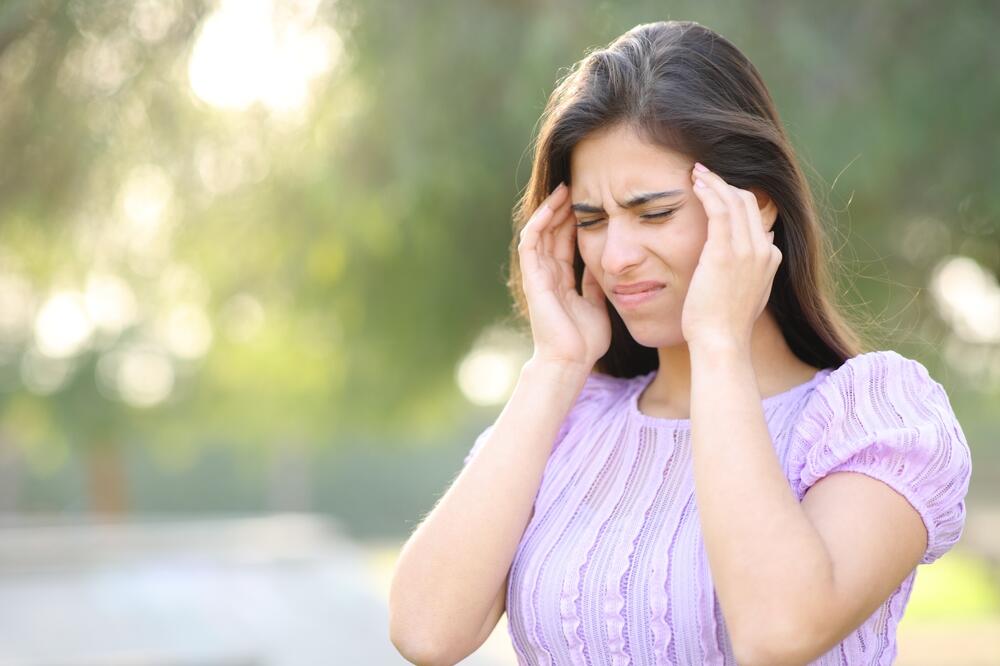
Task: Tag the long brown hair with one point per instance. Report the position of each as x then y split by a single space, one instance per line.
686 88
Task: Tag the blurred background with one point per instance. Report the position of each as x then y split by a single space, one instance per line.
252 302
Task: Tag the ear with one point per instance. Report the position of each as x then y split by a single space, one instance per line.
768 210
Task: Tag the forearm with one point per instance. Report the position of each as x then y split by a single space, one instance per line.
452 567
762 549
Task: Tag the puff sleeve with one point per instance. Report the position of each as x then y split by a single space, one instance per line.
881 414
596 390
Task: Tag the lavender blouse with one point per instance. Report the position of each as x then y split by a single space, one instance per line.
612 567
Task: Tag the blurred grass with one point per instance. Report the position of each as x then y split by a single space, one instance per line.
953 616
958 586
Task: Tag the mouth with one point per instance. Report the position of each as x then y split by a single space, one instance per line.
638 298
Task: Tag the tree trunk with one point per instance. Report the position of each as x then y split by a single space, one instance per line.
108 492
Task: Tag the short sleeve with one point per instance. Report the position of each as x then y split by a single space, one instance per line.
881 414
597 389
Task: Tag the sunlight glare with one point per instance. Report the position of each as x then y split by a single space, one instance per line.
186 331
62 326
141 375
968 297
251 51
110 302
488 373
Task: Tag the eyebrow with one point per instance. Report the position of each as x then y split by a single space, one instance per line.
637 200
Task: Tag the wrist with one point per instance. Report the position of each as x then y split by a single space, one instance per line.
564 373
718 350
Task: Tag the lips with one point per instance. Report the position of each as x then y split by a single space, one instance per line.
637 287
635 300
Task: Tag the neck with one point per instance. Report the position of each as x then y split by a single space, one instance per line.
774 364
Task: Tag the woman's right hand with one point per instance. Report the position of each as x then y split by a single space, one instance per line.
566 327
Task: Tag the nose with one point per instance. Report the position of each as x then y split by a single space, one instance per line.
622 249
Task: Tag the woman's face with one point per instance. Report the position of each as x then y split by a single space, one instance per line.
624 245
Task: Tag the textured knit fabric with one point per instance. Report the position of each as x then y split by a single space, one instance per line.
612 566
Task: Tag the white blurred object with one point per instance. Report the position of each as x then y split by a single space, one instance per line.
488 373
968 297
251 51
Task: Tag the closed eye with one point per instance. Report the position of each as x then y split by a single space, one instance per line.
647 216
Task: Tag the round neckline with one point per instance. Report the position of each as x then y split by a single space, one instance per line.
642 381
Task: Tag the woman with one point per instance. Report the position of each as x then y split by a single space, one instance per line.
699 464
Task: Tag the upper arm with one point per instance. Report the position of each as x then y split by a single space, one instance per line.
874 538
882 466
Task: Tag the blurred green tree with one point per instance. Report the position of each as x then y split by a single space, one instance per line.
274 222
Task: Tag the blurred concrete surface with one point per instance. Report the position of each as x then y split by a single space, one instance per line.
276 590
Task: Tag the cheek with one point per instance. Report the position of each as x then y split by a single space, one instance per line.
590 252
691 232
692 253
683 249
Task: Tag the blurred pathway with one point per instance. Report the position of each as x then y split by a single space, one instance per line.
282 590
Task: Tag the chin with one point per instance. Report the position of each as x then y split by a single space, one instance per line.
656 334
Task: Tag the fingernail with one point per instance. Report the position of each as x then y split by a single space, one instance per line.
560 187
698 166
700 184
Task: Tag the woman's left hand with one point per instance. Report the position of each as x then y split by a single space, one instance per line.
732 282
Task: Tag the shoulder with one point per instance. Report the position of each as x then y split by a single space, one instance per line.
883 415
880 366
875 385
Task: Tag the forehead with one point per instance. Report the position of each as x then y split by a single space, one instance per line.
619 161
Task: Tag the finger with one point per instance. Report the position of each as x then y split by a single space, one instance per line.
528 239
528 244
741 225
540 217
546 236
526 254
555 232
739 234
755 225
717 212
553 202
556 197
530 233
564 229
565 250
